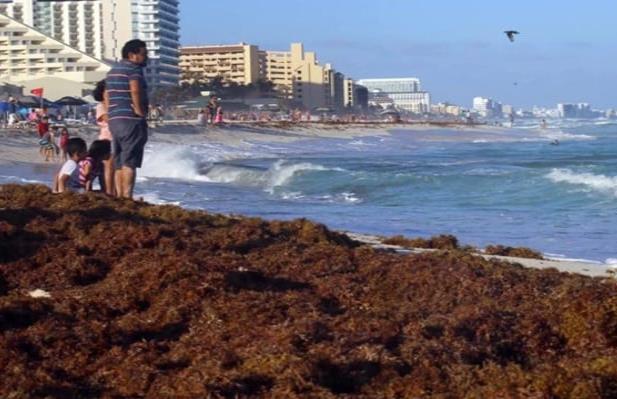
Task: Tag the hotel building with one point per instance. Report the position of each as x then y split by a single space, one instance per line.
237 63
296 74
405 93
154 21
101 27
32 59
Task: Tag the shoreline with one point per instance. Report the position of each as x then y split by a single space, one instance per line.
20 148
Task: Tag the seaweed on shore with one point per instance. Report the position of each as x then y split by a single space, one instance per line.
156 301
518 252
447 242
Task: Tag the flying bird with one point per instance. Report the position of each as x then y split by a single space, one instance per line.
510 34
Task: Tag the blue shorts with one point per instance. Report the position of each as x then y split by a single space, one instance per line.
130 137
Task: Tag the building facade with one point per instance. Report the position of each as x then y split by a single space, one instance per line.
237 63
405 93
77 23
32 59
154 21
487 107
101 27
296 74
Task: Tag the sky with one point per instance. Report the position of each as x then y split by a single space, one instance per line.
566 50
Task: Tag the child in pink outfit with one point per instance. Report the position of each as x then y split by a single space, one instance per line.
219 115
99 94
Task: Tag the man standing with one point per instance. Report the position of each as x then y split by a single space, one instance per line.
127 104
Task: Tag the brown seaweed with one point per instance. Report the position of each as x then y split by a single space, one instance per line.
518 252
160 302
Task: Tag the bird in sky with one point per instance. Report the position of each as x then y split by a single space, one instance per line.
510 34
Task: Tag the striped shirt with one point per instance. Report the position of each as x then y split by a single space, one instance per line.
119 91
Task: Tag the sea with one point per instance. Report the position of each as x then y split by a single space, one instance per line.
552 189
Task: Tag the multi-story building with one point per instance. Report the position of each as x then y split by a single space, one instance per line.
32 59
20 10
77 23
237 63
154 21
101 27
487 107
349 93
296 75
405 93
446 109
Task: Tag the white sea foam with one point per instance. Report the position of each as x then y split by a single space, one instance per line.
277 175
171 162
612 262
565 136
601 183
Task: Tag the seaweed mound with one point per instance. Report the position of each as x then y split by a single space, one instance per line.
437 242
142 301
519 252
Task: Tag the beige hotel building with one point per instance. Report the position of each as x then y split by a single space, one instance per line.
296 74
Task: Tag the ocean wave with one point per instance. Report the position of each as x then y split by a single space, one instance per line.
601 183
171 162
344 197
564 136
278 174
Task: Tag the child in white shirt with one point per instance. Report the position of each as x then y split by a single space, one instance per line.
67 179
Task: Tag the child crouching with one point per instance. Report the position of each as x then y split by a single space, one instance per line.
67 179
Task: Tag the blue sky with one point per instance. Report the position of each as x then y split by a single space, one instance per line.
566 52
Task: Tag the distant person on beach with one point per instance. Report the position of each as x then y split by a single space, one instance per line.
91 167
202 118
33 116
43 126
45 139
127 107
219 115
64 141
102 120
67 179
212 107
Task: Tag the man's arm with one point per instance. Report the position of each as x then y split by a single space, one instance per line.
136 97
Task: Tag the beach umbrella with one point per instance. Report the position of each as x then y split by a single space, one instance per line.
34 102
70 101
89 99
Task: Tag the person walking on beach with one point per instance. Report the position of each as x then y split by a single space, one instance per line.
102 120
127 107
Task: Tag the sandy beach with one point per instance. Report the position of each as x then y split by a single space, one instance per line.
20 147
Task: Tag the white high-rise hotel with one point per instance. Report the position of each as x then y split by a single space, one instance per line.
101 27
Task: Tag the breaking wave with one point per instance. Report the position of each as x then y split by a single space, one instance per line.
600 183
